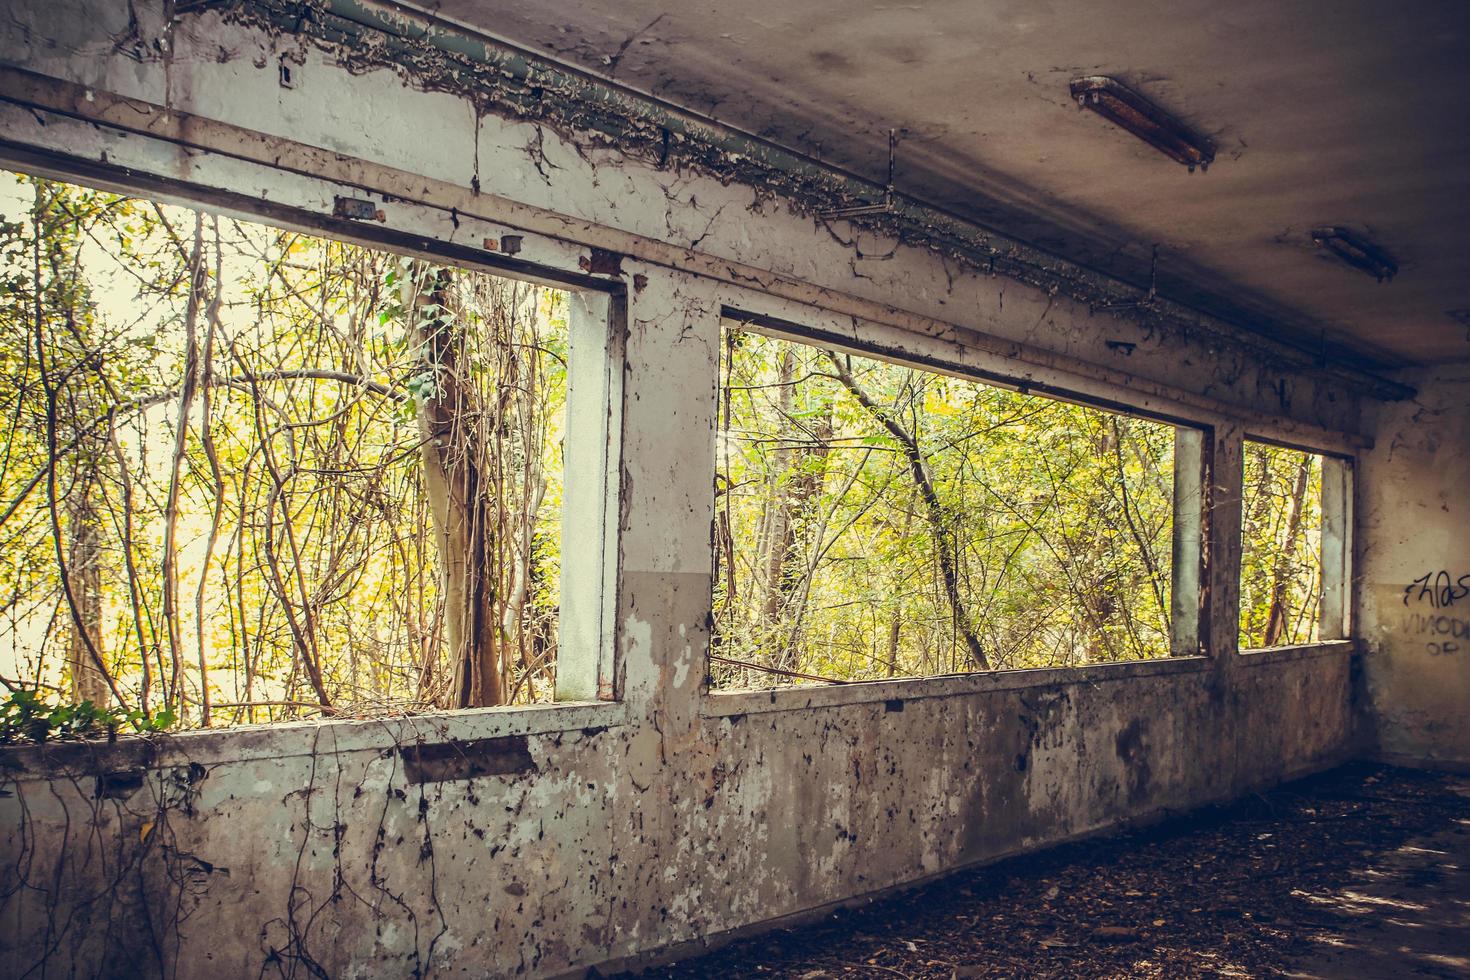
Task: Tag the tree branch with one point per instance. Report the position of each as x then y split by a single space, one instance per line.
938 521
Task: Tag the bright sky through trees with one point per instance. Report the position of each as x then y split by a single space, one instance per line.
346 413
250 474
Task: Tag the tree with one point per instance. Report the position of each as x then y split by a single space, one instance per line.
245 468
1281 537
941 524
955 526
466 521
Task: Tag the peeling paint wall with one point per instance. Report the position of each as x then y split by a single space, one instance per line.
624 838
1415 583
607 832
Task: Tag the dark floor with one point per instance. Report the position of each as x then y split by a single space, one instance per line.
1363 872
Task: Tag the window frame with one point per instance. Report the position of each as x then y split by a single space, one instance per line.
1188 639
1335 622
597 317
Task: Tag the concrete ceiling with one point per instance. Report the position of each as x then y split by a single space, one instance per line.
1351 113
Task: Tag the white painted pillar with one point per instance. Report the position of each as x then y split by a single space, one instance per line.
1337 529
589 526
1186 566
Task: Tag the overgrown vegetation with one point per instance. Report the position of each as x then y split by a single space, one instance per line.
877 520
249 474
1281 546
880 520
27 717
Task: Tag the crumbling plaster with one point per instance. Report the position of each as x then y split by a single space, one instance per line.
670 817
1415 583
211 71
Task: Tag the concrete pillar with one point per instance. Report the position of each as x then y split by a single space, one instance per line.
667 502
589 528
1220 624
1337 528
1186 566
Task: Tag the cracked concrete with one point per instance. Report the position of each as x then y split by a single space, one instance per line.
669 818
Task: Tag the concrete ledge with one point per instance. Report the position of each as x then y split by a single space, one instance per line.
722 705
305 738
1305 651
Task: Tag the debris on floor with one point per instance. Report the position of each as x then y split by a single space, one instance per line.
1359 872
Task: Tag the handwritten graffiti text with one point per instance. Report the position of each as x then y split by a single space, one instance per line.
1438 589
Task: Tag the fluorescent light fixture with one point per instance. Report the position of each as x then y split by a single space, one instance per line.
1356 251
1120 105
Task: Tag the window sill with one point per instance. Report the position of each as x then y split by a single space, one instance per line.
727 703
304 738
1301 651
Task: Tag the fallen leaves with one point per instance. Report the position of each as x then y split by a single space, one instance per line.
1224 892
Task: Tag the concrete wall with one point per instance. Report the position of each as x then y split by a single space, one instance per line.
537 841
626 832
1415 581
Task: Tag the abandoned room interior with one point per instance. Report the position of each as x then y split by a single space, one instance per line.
496 488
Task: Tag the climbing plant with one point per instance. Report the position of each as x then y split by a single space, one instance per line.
250 474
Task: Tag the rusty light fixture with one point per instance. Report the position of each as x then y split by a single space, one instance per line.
1356 251
1120 105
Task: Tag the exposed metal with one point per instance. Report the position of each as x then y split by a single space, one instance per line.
446 761
357 209
1121 106
882 207
1357 252
1149 298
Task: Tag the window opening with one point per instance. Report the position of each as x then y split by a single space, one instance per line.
1294 526
251 474
877 520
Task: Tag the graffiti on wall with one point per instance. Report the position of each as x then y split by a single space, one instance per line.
1429 595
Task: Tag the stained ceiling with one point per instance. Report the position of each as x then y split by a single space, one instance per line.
1354 114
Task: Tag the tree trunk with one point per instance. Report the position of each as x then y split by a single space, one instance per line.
779 503
895 624
454 442
939 523
174 692
798 478
1276 619
809 476
84 569
79 559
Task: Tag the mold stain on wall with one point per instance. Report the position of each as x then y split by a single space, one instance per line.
540 844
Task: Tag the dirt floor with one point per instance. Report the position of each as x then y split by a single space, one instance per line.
1363 872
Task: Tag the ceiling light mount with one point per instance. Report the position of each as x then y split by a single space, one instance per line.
888 205
1356 251
1148 299
1120 105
